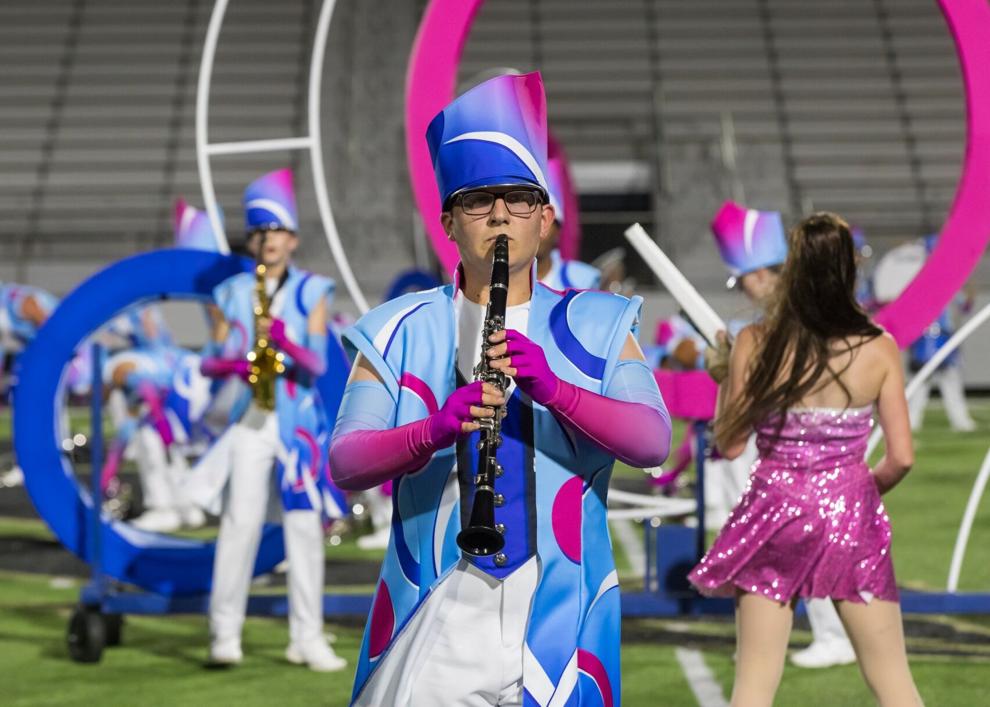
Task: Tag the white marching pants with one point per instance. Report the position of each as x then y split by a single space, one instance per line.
950 385
826 626
464 646
254 446
725 482
161 474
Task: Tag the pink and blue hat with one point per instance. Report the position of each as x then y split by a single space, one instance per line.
493 135
748 239
270 203
193 229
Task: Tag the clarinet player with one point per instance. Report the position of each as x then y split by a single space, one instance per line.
534 617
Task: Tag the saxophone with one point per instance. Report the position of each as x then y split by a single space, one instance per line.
266 363
482 537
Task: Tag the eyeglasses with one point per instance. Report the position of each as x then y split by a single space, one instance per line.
519 202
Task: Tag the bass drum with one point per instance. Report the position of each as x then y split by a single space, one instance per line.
896 269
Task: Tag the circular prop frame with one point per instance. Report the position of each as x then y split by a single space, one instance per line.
158 563
431 80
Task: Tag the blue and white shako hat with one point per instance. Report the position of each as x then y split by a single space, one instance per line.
748 239
493 135
193 229
270 203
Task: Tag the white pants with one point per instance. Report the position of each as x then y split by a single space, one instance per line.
464 646
950 385
161 474
826 626
725 482
254 444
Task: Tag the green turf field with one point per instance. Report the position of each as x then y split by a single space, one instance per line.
161 659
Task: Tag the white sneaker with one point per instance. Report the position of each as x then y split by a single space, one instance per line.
226 652
158 520
316 655
377 540
192 517
824 654
12 477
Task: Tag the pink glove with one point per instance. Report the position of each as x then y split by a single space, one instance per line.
111 465
156 413
224 367
308 359
532 372
364 459
446 424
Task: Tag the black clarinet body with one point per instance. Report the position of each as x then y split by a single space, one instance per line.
481 538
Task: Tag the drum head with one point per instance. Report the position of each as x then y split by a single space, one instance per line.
896 269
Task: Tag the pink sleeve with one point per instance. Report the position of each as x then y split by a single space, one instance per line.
636 433
363 459
222 367
156 412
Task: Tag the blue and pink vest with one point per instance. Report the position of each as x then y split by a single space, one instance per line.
556 510
302 462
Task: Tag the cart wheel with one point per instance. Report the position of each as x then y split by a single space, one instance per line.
87 635
115 628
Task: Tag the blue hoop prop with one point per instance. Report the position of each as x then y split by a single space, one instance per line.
157 563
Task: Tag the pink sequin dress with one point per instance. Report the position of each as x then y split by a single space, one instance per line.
811 522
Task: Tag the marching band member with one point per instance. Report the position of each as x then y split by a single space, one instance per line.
948 377
551 268
540 617
23 309
753 245
283 425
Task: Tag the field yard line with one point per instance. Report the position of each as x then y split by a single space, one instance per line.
632 545
700 677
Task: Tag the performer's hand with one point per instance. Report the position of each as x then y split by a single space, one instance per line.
524 362
717 359
276 332
460 413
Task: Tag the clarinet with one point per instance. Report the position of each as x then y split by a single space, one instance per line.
480 538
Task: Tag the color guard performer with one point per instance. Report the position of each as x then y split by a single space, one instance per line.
753 245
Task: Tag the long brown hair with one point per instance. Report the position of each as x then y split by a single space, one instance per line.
812 307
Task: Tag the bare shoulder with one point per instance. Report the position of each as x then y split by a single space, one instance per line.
748 336
882 347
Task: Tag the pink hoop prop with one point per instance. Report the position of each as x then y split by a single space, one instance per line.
570 231
430 83
967 230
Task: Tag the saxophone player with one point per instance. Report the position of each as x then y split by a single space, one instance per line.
278 313
541 614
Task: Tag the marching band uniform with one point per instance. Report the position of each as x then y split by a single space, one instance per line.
292 438
17 327
538 622
23 309
173 395
948 377
747 240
